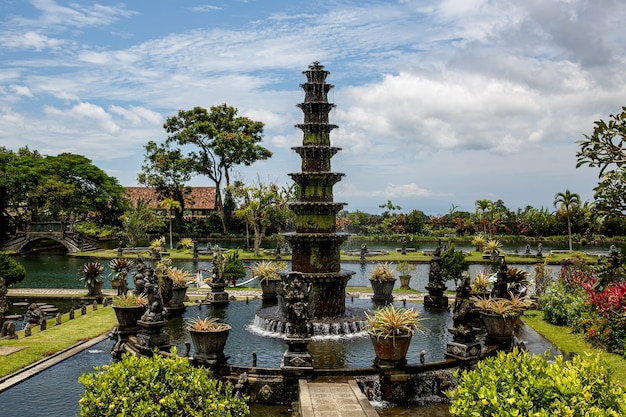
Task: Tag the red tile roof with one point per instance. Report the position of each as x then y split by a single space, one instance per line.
200 198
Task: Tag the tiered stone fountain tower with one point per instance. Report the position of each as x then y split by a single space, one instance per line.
316 243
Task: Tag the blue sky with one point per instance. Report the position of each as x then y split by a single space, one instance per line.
438 103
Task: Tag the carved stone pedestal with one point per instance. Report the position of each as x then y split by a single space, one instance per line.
217 295
151 336
435 299
297 357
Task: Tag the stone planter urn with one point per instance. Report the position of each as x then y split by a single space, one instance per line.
269 289
95 289
127 317
177 302
382 289
405 281
208 345
499 328
390 351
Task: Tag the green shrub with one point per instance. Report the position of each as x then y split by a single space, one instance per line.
11 270
563 304
519 384
159 387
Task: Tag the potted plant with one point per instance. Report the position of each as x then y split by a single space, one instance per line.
120 267
499 315
90 272
128 309
267 274
382 280
479 242
180 278
404 270
480 284
391 331
209 337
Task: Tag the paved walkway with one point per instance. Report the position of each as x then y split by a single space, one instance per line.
334 399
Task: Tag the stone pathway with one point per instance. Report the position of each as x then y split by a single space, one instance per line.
333 399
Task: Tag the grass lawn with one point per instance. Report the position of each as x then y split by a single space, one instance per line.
567 341
416 257
55 338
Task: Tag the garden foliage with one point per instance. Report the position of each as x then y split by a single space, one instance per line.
159 387
520 384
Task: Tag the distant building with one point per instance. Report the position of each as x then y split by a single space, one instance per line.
200 202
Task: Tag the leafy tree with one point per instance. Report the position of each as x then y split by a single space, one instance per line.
11 270
259 205
605 149
166 170
415 222
62 187
567 202
219 140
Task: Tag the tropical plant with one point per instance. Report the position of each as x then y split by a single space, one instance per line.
120 267
567 202
505 307
207 324
130 300
493 246
90 272
480 283
391 322
157 243
186 242
405 268
180 277
517 280
268 270
520 384
479 242
157 385
382 272
170 205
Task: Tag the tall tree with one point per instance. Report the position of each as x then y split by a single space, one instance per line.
167 171
482 208
170 205
218 140
567 202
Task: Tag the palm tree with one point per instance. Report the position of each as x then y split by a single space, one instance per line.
482 207
567 201
170 204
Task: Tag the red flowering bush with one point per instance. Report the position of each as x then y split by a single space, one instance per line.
607 325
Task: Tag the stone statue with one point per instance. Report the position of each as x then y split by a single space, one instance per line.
297 296
219 264
34 315
462 310
501 286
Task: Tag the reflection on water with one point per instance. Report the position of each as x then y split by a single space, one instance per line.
48 270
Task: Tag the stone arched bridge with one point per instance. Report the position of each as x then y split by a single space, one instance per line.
72 241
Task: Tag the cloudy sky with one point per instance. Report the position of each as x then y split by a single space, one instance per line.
439 103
